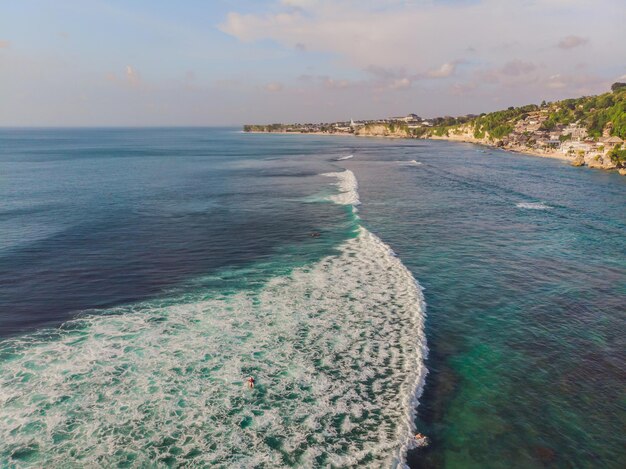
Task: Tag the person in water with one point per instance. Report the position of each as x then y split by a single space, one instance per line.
251 382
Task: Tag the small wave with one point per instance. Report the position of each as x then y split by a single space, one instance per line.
341 158
348 186
533 206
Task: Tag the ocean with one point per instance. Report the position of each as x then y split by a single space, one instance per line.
374 289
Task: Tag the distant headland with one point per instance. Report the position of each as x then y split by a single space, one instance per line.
586 131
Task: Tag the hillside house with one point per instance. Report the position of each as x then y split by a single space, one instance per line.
573 146
610 142
576 131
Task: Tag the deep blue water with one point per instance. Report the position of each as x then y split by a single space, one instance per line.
98 218
166 242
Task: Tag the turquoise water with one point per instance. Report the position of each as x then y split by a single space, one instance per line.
145 274
524 269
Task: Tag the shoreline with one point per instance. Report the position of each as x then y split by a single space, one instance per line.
520 150
517 150
460 139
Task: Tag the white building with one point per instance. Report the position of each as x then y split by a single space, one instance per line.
576 131
572 146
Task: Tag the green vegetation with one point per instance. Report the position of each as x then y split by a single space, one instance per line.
419 132
441 131
264 128
595 113
500 124
618 157
617 87
607 108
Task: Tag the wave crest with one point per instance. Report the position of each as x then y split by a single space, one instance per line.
348 188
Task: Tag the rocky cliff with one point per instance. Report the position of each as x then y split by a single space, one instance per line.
383 130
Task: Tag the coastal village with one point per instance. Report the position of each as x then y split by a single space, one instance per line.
530 129
570 140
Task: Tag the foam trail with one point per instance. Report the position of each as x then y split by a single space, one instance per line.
533 206
409 163
348 195
337 348
341 158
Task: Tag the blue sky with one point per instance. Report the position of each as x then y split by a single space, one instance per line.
219 62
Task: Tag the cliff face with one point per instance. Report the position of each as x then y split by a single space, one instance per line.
599 161
462 133
383 130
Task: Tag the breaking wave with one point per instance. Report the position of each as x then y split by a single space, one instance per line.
347 157
533 206
348 188
336 348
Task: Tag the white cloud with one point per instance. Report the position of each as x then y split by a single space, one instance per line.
556 82
486 51
416 37
577 84
304 4
400 84
444 71
570 42
356 34
274 87
132 77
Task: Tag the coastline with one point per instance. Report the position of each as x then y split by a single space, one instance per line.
523 151
515 149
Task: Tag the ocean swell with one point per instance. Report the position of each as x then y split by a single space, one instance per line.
337 350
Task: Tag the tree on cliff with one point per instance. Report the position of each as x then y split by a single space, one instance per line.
618 157
618 86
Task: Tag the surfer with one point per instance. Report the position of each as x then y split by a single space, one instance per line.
251 382
421 439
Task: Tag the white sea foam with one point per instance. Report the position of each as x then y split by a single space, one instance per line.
347 157
533 206
348 188
337 349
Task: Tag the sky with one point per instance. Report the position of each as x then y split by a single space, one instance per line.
228 62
